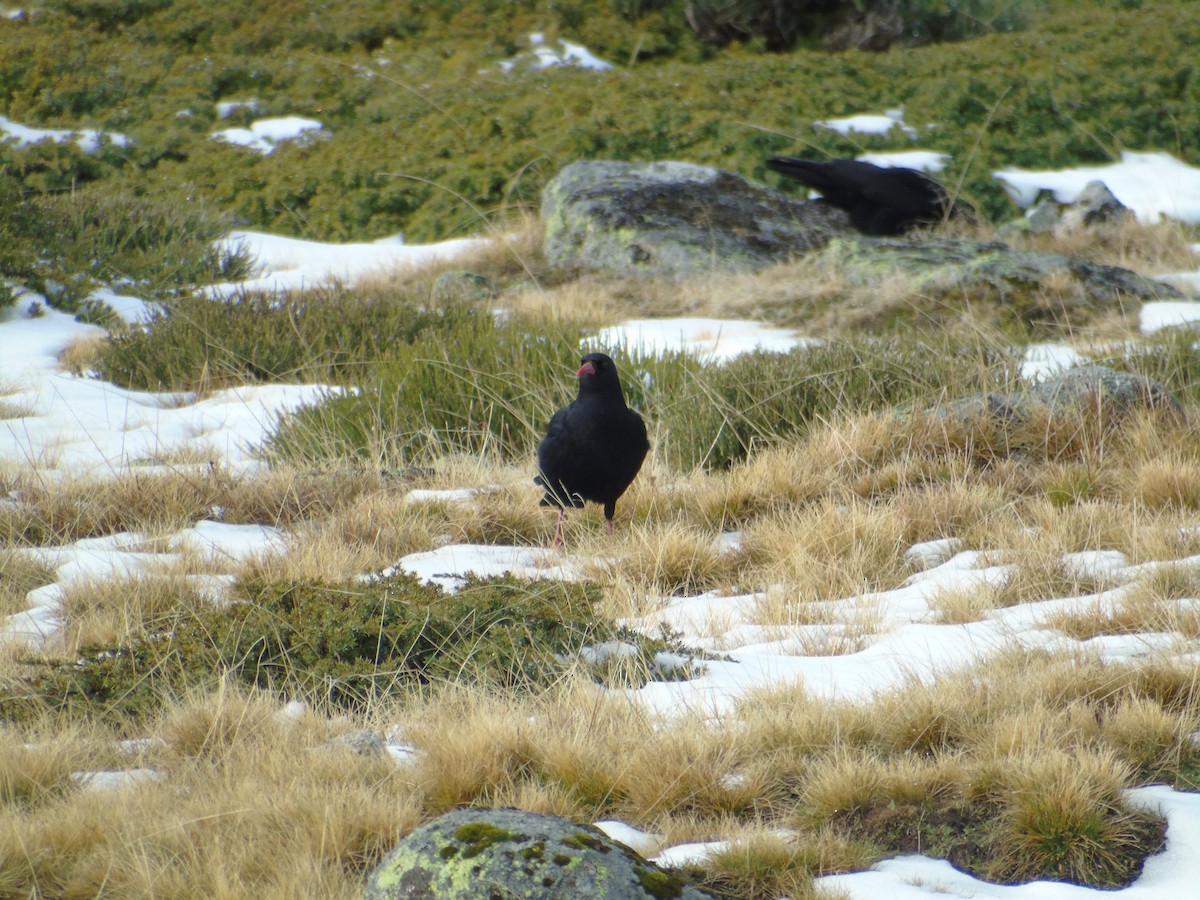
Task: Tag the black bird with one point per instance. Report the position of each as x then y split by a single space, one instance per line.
594 448
880 201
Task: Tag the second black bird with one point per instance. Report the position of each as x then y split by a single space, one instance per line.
594 448
880 200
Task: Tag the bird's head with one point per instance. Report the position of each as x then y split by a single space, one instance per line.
597 372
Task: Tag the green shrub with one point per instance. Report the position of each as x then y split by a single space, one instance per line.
329 334
473 386
108 14
66 245
350 643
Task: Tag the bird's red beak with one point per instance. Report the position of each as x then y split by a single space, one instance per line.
586 369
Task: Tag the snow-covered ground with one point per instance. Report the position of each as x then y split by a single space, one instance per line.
54 423
545 54
1153 185
264 135
869 123
89 140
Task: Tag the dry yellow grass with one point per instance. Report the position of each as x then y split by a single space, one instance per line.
670 558
246 801
114 612
19 574
829 551
1148 249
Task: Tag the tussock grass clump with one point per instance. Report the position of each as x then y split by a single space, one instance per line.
830 550
20 574
761 399
1062 817
64 245
472 386
37 771
1154 741
1036 577
675 559
327 334
763 865
81 507
244 800
1168 482
161 502
119 611
690 773
957 606
508 514
1167 599
1006 772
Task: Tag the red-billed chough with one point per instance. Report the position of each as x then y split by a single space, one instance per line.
594 448
880 200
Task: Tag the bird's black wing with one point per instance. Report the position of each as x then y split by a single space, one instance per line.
907 190
846 183
832 183
558 458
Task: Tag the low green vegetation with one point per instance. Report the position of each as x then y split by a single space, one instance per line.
425 134
65 245
348 644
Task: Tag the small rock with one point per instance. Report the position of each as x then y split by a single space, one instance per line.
1095 206
1044 217
364 742
1119 391
462 286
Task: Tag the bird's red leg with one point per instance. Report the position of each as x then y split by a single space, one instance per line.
558 528
609 523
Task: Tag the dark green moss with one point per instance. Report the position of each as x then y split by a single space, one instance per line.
658 883
534 851
561 859
581 840
478 836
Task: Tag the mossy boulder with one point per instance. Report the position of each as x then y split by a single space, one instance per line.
675 219
1078 391
509 853
1045 282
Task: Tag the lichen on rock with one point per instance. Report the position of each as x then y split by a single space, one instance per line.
502 853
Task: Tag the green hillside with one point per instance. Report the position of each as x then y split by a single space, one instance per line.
423 132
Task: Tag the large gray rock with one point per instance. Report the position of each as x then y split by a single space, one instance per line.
675 219
1095 206
681 220
507 853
